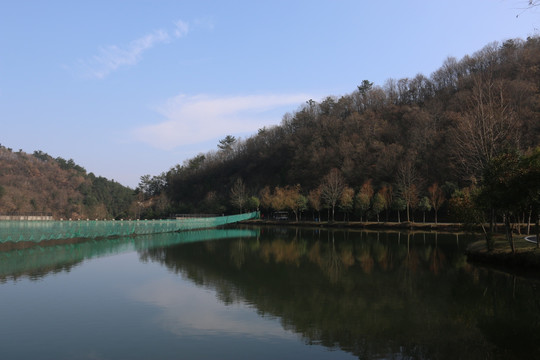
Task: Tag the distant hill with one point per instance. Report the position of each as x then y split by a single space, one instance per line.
40 184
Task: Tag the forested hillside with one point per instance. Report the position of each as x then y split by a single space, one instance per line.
41 184
404 148
409 141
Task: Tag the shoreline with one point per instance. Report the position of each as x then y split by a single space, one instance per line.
526 257
525 260
447 227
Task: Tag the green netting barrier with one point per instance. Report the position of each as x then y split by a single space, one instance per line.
40 259
37 231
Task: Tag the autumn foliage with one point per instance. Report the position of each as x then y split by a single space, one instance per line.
40 184
407 146
422 137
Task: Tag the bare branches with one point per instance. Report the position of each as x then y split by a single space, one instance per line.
409 185
486 127
530 4
239 194
436 198
331 188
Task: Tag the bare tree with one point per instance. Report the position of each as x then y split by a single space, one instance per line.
238 194
378 204
436 198
408 184
387 193
314 199
487 126
363 199
530 4
346 201
265 196
331 188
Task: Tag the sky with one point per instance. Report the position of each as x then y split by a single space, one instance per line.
128 88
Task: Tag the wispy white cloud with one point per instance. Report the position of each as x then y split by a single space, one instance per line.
206 23
194 119
110 58
181 29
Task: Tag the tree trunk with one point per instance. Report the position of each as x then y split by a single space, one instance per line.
408 217
537 231
529 221
436 216
424 217
398 218
508 231
491 221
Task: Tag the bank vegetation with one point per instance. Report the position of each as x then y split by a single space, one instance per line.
459 145
415 149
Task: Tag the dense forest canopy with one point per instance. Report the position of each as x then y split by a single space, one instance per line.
406 136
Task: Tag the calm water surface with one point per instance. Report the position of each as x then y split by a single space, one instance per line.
263 293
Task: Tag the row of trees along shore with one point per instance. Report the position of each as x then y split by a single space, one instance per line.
414 147
461 145
334 195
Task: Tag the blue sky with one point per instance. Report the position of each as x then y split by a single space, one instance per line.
128 88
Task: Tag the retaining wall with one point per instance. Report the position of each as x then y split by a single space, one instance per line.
26 217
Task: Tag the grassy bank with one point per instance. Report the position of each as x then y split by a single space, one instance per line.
526 257
447 227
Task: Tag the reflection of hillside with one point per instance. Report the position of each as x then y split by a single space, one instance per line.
372 295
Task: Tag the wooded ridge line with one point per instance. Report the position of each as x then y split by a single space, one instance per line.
408 149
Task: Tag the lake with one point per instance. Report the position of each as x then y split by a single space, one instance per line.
263 293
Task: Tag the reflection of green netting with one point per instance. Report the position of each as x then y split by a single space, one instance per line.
15 231
43 259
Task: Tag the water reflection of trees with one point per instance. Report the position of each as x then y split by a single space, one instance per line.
37 263
37 260
374 295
